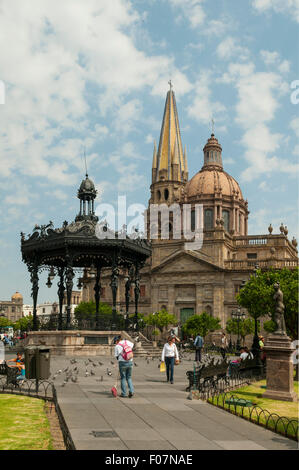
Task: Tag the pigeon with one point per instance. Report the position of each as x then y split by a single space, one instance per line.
86 363
135 364
64 384
147 361
92 372
60 371
65 370
86 373
75 379
94 364
112 363
109 372
100 363
90 360
54 377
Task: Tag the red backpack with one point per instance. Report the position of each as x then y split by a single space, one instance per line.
127 351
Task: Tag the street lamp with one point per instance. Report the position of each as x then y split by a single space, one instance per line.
238 316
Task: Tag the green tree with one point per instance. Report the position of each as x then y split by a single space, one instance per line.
87 310
161 319
5 322
24 323
257 296
246 327
201 324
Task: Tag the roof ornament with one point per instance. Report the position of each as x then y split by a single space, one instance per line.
213 126
170 85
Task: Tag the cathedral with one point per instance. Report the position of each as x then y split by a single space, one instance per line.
189 281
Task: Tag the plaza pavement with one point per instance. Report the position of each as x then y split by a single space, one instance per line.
158 417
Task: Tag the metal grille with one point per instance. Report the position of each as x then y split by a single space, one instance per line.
104 434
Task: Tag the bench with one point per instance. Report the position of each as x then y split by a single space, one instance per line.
11 374
208 375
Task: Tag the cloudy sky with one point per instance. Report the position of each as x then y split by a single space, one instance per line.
94 74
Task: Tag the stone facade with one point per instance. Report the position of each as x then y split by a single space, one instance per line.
12 309
187 281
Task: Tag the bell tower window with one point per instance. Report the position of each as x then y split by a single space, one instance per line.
208 219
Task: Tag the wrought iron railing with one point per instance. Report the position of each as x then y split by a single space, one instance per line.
288 427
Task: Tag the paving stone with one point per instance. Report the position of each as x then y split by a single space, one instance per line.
239 445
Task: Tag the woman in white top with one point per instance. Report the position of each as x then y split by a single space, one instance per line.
169 356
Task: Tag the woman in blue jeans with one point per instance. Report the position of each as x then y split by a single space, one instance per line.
170 355
125 367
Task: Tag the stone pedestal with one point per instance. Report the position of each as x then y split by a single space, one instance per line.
280 382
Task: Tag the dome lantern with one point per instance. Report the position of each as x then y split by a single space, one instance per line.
87 194
212 153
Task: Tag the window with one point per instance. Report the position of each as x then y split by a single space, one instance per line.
252 255
44 310
166 194
240 223
225 216
13 309
208 219
142 291
193 220
237 289
159 195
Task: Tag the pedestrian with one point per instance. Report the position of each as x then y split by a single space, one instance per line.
124 354
198 343
170 356
223 345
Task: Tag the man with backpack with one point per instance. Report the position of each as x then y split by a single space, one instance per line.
198 343
124 354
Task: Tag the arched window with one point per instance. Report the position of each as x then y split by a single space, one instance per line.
159 195
240 223
209 310
225 215
166 194
208 222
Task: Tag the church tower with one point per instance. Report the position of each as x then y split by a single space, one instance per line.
169 170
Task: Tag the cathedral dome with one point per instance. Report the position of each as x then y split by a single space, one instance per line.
17 297
211 180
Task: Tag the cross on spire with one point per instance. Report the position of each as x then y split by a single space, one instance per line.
213 125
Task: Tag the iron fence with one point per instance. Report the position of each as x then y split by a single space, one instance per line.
288 427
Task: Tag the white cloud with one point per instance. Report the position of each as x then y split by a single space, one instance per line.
290 7
203 108
56 50
191 9
229 48
258 102
273 59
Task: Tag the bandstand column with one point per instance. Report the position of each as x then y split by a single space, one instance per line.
69 275
97 296
33 269
114 286
61 290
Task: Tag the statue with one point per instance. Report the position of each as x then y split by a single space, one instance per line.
279 311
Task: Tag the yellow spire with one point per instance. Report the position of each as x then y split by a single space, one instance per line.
170 146
185 160
155 156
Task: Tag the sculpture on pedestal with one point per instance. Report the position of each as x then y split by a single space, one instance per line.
279 311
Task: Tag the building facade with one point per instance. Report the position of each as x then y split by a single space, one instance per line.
184 278
12 309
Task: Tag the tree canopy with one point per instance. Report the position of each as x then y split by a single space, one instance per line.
257 296
161 319
201 324
246 327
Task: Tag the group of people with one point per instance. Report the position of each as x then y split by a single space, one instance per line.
170 356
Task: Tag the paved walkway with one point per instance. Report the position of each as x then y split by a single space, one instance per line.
158 417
